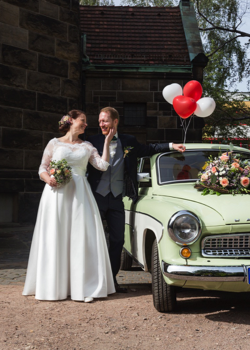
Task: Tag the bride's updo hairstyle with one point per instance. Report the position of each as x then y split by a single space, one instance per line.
64 123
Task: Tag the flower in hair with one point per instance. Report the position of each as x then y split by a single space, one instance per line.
65 120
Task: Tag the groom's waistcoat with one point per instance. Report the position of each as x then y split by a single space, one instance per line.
112 179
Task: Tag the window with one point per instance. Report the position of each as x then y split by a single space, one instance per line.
185 166
134 114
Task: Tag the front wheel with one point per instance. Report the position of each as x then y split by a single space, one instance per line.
164 295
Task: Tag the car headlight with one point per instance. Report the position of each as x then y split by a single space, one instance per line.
184 227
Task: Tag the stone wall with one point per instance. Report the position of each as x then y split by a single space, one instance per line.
40 75
162 123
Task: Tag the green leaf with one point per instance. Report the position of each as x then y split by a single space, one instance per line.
213 179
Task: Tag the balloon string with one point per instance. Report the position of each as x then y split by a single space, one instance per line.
185 127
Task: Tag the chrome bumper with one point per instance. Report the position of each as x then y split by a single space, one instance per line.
205 273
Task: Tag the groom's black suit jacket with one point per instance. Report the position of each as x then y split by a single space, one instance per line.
130 161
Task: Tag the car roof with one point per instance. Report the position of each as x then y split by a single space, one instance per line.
214 146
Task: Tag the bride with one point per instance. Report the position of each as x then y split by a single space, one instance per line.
68 253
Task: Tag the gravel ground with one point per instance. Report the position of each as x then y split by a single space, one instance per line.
124 321
203 320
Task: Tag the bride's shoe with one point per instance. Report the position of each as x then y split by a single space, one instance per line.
88 300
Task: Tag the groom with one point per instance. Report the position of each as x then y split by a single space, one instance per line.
119 180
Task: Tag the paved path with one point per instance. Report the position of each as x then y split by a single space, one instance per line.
14 252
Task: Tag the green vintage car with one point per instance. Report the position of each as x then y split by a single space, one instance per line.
183 238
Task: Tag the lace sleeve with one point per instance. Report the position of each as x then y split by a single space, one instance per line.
47 156
96 160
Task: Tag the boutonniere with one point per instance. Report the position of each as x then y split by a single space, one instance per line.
127 150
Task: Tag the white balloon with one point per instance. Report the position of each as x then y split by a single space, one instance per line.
205 107
171 91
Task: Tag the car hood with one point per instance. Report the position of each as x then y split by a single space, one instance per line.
234 209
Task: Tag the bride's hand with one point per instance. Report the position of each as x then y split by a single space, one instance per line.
111 134
52 182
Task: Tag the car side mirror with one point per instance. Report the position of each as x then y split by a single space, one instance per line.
143 177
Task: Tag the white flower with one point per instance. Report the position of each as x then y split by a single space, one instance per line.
216 173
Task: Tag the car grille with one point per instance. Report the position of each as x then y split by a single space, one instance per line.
237 245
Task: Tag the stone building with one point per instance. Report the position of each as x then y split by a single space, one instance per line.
56 56
129 55
39 82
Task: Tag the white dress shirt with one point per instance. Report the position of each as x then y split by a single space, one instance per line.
113 146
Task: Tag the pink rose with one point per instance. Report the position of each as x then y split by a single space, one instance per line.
224 157
52 171
224 182
204 177
235 165
214 169
244 181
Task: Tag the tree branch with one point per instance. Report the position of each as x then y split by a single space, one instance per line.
241 34
220 47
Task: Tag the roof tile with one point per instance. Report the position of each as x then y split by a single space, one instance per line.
134 35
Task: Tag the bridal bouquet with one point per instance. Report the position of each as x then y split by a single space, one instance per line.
61 171
227 173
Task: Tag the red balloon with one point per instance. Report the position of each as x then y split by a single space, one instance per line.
193 89
184 106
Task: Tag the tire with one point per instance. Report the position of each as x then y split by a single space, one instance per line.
126 261
164 295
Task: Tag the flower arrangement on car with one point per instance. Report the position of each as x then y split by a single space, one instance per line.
61 171
227 173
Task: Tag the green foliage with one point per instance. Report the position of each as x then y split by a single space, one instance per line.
213 179
219 23
209 191
231 117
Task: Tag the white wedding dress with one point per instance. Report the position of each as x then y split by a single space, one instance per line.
69 253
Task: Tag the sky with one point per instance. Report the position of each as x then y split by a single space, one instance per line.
242 87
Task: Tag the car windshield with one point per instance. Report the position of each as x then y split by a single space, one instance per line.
184 167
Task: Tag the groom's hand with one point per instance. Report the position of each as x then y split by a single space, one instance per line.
179 147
